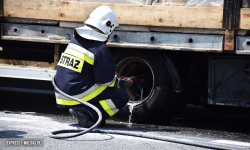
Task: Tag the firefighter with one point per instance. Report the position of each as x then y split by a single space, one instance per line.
86 70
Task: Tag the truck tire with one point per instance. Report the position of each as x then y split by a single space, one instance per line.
158 95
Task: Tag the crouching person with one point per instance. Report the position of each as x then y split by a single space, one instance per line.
86 70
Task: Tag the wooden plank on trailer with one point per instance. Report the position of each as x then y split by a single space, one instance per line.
148 15
245 18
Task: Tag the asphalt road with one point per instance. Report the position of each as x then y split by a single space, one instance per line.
193 128
27 126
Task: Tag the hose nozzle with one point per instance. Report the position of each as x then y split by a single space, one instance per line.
126 81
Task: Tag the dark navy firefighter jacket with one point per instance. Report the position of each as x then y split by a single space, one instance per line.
85 69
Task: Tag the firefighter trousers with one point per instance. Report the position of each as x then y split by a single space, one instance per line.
109 102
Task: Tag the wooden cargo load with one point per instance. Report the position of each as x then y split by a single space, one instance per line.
128 14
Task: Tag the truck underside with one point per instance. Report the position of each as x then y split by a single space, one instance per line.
181 54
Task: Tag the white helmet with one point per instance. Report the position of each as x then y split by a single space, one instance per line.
102 18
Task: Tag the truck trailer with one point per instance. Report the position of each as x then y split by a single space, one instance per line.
182 51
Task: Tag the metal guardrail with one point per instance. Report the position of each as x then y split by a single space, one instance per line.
27 73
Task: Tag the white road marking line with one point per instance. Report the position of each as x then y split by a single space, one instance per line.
232 142
15 119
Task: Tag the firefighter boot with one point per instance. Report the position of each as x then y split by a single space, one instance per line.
82 116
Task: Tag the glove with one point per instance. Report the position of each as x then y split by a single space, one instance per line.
126 81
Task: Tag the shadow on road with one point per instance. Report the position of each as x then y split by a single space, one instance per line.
12 134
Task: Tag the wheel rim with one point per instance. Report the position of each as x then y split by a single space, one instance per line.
135 66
